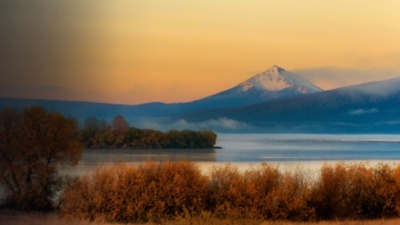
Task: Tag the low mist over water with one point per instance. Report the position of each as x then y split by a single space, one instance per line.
245 150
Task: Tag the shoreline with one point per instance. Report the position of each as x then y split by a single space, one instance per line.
131 148
311 167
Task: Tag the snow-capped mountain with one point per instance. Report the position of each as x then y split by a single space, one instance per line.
272 101
271 84
364 108
268 85
278 79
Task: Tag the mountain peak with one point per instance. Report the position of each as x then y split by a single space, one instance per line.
276 69
277 79
271 84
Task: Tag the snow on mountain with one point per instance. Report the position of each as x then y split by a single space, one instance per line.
274 83
364 108
278 79
271 84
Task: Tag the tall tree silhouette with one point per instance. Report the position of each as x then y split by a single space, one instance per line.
119 124
32 144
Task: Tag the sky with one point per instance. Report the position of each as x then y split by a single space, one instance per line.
132 52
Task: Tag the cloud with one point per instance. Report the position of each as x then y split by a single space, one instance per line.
224 124
363 111
331 78
374 89
214 124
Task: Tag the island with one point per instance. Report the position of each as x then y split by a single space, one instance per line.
97 133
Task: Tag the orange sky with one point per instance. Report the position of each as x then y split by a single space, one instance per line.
132 52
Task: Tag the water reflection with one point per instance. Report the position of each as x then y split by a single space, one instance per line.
95 156
93 159
307 147
256 148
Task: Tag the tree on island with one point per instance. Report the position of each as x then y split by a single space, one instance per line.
120 134
33 143
92 127
119 125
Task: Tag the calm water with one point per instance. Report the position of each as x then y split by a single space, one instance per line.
251 149
307 147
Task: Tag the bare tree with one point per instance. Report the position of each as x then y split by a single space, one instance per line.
119 125
32 144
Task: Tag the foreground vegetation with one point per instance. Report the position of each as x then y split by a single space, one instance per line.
33 143
97 133
178 190
23 218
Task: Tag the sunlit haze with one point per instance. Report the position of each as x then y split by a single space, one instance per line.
133 52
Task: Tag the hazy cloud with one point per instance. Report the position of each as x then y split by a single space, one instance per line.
363 111
218 124
331 78
376 89
140 51
224 123
214 124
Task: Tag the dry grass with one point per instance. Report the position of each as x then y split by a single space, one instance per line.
20 218
178 193
367 222
166 191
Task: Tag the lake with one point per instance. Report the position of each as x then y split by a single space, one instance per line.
288 151
247 150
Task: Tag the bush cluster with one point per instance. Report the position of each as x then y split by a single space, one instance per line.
163 191
146 138
151 191
357 192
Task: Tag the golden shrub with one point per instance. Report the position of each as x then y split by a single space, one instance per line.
178 191
262 193
151 191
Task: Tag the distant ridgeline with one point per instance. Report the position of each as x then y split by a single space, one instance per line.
96 133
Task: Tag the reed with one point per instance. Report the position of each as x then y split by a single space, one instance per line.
178 191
